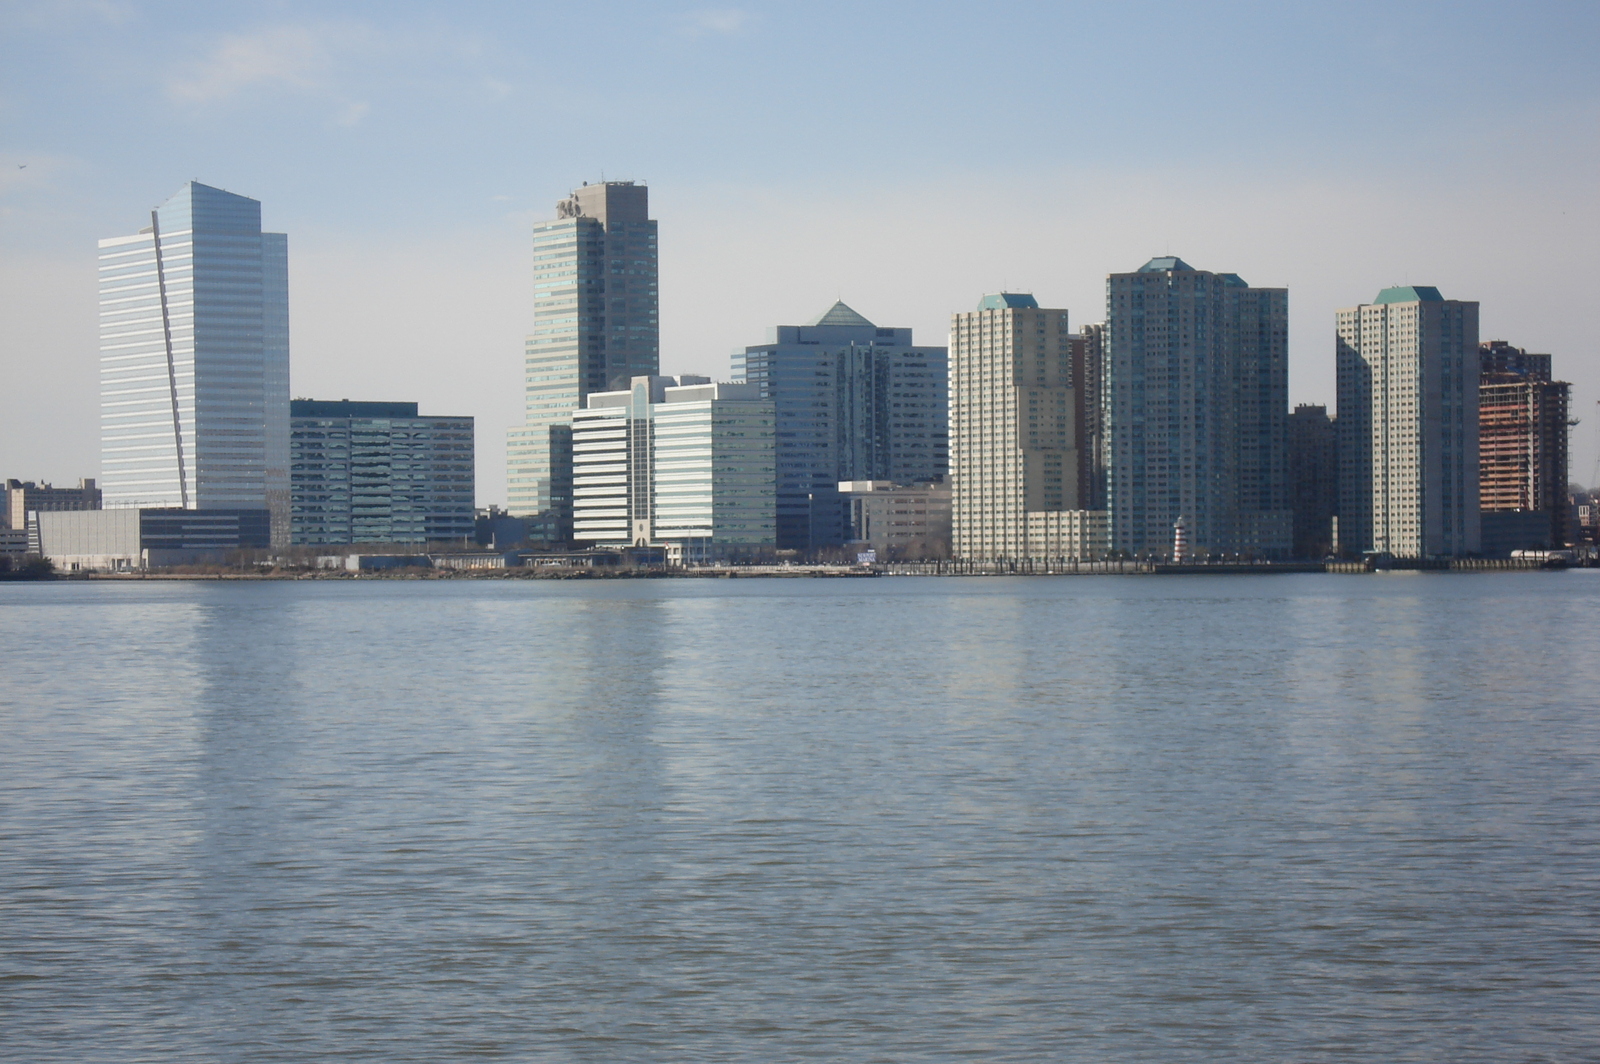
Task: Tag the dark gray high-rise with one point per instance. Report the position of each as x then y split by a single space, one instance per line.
1313 479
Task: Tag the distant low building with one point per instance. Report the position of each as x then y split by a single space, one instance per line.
24 496
497 529
1586 518
378 473
1503 531
135 538
899 521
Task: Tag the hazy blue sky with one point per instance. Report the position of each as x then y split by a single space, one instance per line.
904 157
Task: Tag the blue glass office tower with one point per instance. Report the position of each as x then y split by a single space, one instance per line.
853 402
194 360
595 322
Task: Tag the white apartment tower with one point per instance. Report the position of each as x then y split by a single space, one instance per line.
595 324
1013 454
1408 424
194 360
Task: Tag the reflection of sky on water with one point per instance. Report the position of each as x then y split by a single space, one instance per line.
1119 818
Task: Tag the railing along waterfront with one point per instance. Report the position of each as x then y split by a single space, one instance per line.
1024 567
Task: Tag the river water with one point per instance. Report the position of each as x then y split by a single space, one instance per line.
1129 818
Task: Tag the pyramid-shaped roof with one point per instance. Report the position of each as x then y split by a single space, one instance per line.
1007 300
839 314
1411 293
1165 263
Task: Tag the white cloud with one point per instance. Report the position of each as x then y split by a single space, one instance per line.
724 21
64 14
351 113
296 57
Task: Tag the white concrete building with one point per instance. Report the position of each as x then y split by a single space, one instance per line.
138 538
1408 424
684 463
1013 455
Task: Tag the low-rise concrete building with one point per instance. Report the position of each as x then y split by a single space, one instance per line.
899 522
130 538
22 497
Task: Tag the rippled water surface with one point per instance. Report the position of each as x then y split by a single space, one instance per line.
1291 818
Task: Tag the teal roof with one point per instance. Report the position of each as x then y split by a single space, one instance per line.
839 314
1002 300
1411 293
1165 262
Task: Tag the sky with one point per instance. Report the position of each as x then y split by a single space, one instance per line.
906 158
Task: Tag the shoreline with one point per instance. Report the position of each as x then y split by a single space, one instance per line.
792 572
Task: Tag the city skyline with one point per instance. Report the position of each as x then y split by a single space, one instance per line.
1296 179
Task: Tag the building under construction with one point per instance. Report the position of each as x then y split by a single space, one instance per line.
1522 440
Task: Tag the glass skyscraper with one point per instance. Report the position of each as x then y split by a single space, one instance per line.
854 402
194 360
595 322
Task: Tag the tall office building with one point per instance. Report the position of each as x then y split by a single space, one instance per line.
1408 424
854 402
1197 395
194 360
1522 442
1313 480
683 463
595 309
1013 459
378 473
